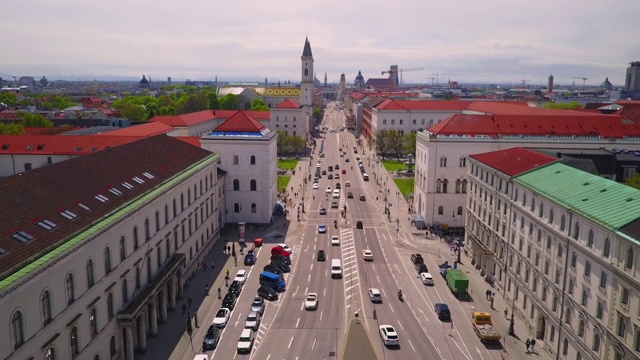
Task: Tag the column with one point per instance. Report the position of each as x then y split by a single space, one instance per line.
163 304
172 293
180 286
142 333
128 343
153 319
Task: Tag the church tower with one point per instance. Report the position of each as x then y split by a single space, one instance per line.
306 83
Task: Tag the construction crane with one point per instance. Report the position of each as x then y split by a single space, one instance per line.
438 76
407 69
524 82
392 71
432 78
584 80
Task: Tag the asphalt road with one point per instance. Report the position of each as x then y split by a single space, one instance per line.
288 331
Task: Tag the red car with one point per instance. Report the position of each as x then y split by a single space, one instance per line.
278 250
344 171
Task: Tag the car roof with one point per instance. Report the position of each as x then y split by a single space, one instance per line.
242 271
426 274
442 306
252 313
375 290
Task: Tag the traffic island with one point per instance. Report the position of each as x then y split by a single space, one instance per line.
358 345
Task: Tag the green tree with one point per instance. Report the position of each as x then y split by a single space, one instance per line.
396 142
214 103
562 106
410 143
318 113
195 102
230 102
382 142
259 105
131 111
8 98
35 120
634 181
61 102
12 129
282 144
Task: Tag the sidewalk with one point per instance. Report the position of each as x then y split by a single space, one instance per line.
173 341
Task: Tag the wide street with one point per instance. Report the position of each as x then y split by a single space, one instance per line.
288 331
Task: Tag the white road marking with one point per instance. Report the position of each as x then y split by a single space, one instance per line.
311 267
314 344
290 342
391 307
296 292
402 327
409 341
321 312
309 278
297 323
324 292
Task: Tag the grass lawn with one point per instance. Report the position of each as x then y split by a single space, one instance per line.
394 165
288 164
283 181
405 186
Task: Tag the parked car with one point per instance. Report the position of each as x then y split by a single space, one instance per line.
241 276
281 258
282 266
321 256
222 318
273 269
258 305
236 287
229 300
250 258
211 338
267 292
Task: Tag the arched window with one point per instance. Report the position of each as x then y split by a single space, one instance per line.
253 208
166 214
541 210
459 210
236 208
123 249
236 185
70 289
45 307
97 357
551 216
464 186
629 262
562 223
90 275
125 291
306 72
157 220
107 260
438 186
443 161
93 322
253 159
235 159
147 231
606 249
581 328
73 342
440 210
254 185
596 343
17 329
135 238
590 238
110 309
576 230
112 346
445 184
458 186
50 354
463 161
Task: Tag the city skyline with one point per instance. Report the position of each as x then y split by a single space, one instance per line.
488 42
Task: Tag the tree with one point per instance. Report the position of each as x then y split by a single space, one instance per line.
290 144
259 105
396 142
282 144
382 142
11 129
214 103
229 102
195 102
131 111
634 181
563 106
410 143
35 120
318 113
8 98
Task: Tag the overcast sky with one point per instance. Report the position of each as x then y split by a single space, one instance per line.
464 40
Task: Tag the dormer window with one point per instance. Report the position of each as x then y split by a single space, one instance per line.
138 180
126 185
47 224
115 192
94 149
102 198
68 214
29 147
22 236
79 148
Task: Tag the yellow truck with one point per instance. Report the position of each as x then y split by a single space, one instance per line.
484 328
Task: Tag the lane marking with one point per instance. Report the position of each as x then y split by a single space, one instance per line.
290 342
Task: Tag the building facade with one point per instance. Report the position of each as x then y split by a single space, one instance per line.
115 238
538 230
290 116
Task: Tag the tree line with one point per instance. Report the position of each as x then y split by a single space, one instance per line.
290 144
393 142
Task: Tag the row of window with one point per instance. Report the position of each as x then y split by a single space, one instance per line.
442 186
413 122
236 160
462 161
253 185
285 118
237 208
458 211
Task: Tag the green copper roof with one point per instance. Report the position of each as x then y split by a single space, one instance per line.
603 201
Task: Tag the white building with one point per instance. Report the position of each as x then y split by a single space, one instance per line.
561 245
94 250
291 117
249 155
441 180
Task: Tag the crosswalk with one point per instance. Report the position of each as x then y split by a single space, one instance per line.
349 268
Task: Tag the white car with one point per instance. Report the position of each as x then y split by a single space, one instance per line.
241 276
316 186
389 335
426 278
311 302
245 343
367 255
328 191
336 194
253 321
222 318
286 248
375 295
335 240
347 183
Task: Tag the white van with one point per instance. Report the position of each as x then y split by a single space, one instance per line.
365 176
201 357
336 269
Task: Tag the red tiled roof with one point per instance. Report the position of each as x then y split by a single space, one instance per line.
142 130
258 115
241 122
193 140
44 192
579 125
60 144
288 104
417 105
185 120
514 161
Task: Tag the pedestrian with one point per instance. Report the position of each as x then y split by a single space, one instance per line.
227 272
506 313
533 343
528 343
228 249
204 266
212 265
189 301
486 294
206 289
184 308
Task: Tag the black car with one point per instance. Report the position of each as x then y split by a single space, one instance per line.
267 292
421 268
442 311
417 259
211 338
338 186
250 258
229 300
281 258
324 172
280 265
337 167
323 211
346 159
334 204
236 287
273 269
349 195
321 256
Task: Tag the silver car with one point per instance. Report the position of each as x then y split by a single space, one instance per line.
253 321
